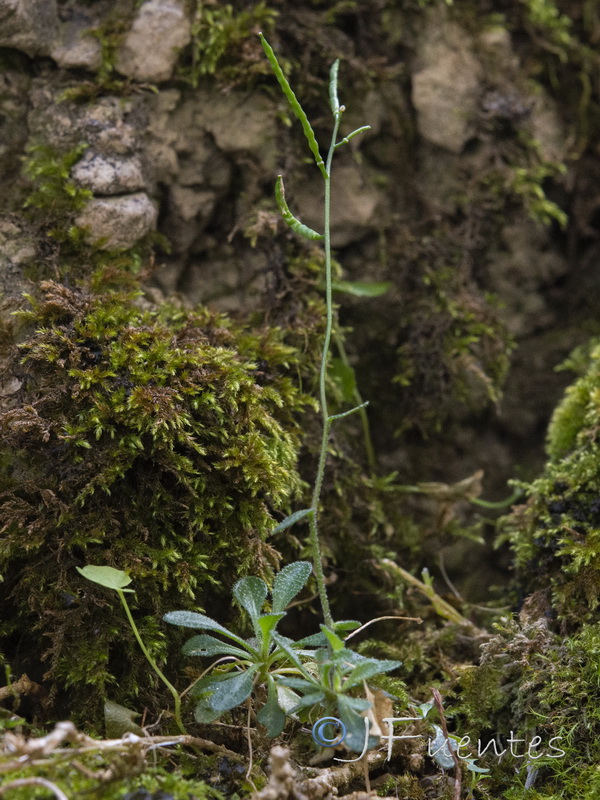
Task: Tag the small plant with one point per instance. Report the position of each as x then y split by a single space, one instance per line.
289 677
117 580
319 667
325 168
315 671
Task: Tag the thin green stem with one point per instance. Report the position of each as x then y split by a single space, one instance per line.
154 665
314 533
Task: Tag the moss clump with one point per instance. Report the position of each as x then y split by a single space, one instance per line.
49 170
220 32
529 672
556 535
455 350
149 438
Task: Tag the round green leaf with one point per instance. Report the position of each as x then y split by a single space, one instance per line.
109 577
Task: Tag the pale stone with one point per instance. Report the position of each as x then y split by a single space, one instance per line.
446 84
151 48
188 203
238 123
76 48
117 223
108 175
29 25
355 208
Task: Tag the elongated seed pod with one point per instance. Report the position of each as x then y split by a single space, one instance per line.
333 80
294 104
288 217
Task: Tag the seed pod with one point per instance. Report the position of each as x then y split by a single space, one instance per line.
288 217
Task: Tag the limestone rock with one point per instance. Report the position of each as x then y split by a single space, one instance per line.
105 175
75 47
189 212
151 48
17 250
28 25
117 223
239 123
446 85
354 211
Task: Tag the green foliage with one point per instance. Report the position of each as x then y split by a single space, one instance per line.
295 676
142 438
558 529
50 172
218 31
456 350
113 776
546 18
540 684
528 184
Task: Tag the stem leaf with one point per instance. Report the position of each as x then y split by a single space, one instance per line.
292 519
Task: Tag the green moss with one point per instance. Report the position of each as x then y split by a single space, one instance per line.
456 350
224 41
556 535
103 776
150 438
53 190
543 685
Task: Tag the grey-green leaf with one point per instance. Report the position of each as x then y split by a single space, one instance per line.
440 748
204 645
205 713
251 593
357 727
288 582
106 576
293 518
309 700
271 715
191 619
233 691
267 624
367 669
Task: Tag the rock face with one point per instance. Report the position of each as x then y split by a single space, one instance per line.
28 25
104 175
117 223
159 31
446 85
75 48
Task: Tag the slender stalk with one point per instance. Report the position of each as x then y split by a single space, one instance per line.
314 534
364 418
325 168
154 665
